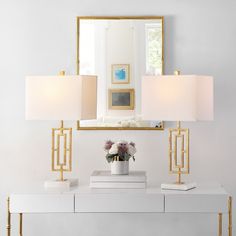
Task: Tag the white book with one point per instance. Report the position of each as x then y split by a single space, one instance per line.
117 185
105 176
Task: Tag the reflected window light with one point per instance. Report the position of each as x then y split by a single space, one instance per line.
153 48
87 51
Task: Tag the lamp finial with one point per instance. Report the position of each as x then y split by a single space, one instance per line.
62 73
177 72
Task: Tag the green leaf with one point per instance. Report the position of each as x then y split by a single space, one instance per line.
126 157
110 157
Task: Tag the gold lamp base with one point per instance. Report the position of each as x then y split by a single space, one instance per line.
179 158
61 158
62 150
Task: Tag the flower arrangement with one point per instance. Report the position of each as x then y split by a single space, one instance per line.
119 151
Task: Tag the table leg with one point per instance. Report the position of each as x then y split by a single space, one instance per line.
21 224
230 215
220 224
8 217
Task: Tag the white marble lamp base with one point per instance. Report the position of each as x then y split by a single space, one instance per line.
181 187
61 185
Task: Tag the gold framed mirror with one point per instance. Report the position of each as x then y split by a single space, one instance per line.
120 50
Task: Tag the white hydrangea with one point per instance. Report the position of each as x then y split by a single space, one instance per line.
114 149
131 150
121 141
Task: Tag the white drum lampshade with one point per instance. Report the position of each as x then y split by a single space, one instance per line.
177 97
61 97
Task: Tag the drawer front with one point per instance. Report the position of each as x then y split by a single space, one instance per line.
210 203
119 203
41 203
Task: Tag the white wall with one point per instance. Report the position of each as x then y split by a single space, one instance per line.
39 38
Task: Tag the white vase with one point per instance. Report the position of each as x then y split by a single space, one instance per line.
120 168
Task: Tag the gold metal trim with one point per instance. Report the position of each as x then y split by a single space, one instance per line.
8 217
21 224
220 224
119 17
78 18
177 166
66 164
230 215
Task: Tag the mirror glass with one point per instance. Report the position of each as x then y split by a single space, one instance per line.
120 51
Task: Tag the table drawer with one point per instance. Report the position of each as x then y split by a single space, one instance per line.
42 203
119 203
208 203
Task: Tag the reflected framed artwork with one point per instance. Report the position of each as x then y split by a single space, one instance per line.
121 99
120 73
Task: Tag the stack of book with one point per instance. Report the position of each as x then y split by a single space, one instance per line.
104 179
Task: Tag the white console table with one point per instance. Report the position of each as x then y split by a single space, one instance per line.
210 198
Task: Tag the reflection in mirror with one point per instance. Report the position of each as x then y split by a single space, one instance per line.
120 51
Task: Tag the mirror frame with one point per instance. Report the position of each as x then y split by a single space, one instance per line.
78 61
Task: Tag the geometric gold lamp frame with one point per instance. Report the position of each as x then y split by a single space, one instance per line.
62 162
179 152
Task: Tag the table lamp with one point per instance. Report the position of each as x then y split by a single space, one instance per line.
61 98
178 98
